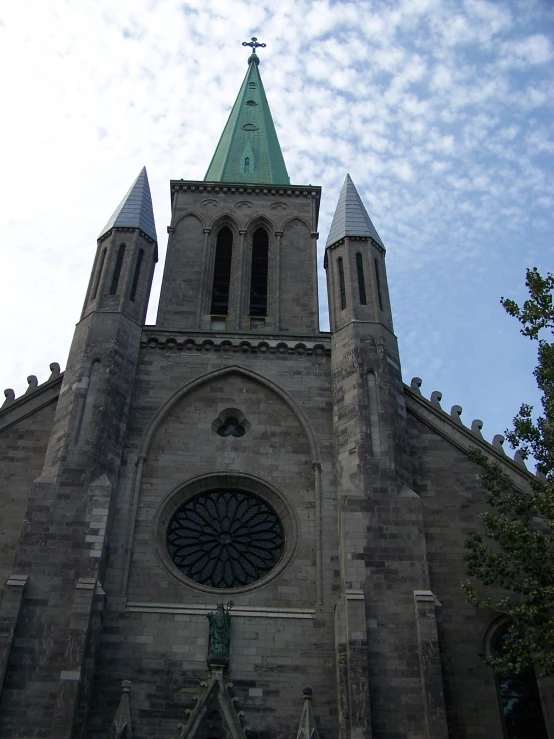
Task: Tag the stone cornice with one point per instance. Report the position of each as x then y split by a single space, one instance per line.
241 187
208 341
127 230
332 246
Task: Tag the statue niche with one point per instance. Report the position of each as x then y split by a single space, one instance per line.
220 635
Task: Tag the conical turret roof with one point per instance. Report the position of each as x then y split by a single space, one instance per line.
135 210
351 218
249 150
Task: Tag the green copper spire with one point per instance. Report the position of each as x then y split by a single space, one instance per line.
248 150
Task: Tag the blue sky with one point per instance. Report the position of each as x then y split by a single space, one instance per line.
440 110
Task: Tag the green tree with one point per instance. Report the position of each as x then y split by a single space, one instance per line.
514 553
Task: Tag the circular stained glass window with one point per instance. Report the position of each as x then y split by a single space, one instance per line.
225 538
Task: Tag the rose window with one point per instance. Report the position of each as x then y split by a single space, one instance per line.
225 538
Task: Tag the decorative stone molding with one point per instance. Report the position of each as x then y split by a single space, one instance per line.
216 696
452 422
228 344
35 397
202 610
207 187
125 230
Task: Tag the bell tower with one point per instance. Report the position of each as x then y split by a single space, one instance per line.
241 254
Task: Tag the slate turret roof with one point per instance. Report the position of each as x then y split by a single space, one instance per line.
351 218
135 210
249 150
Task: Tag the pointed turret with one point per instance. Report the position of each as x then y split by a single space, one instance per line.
351 218
249 150
121 725
307 728
355 264
135 210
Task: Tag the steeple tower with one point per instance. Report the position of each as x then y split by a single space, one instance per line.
355 264
126 254
241 254
249 150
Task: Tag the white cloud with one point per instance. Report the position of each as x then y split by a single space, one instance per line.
440 111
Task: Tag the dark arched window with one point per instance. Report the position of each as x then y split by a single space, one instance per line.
222 272
140 257
247 164
117 270
258 275
361 281
378 283
99 274
519 699
341 284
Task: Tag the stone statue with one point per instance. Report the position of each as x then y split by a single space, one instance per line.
220 634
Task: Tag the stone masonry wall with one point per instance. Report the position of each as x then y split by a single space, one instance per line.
452 498
22 449
155 631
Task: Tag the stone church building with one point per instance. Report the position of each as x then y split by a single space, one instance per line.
231 524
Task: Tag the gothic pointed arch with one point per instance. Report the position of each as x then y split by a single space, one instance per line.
188 214
224 219
218 374
214 714
296 218
261 220
519 700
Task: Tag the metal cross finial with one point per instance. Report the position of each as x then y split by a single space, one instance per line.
254 44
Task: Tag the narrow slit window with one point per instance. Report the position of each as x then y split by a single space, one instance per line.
341 283
258 275
247 165
117 270
99 274
136 276
222 272
519 698
361 281
378 283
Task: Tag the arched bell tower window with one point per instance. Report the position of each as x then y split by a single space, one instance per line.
378 283
99 274
518 695
361 281
136 276
342 286
222 272
117 270
258 275
246 165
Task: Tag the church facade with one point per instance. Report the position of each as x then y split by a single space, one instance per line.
233 524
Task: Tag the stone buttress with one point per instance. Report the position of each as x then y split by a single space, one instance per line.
67 523
382 684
